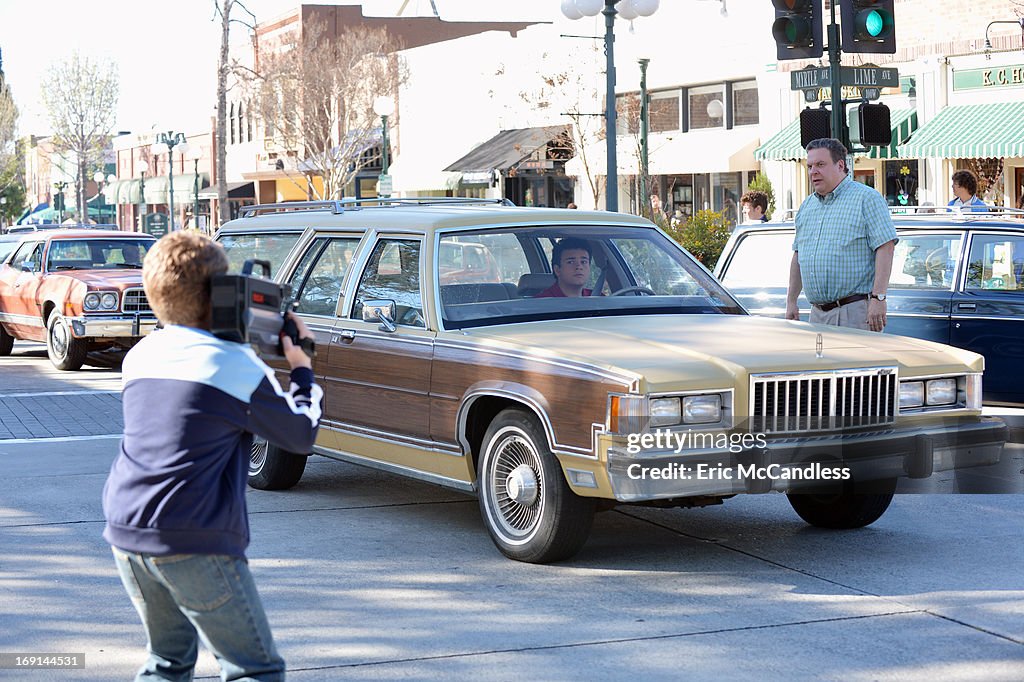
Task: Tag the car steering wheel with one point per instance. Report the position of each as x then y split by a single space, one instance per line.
629 290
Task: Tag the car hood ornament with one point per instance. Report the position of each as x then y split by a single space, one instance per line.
817 346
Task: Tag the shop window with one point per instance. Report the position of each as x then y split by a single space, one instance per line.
744 103
231 120
664 111
707 109
901 182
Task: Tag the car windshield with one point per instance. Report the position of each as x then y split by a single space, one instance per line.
6 246
273 247
508 275
97 254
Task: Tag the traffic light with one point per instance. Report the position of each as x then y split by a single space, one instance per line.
868 26
814 125
871 125
58 201
797 29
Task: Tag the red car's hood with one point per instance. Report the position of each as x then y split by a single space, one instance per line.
119 279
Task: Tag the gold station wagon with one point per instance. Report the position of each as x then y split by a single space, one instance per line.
654 388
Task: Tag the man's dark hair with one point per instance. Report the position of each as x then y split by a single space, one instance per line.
755 198
569 244
967 180
836 149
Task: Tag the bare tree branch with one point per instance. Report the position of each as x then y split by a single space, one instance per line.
315 98
80 97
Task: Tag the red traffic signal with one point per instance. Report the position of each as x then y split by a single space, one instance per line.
797 29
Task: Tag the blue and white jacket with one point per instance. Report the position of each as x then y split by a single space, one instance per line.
191 404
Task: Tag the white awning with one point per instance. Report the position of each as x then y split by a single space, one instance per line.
595 159
701 151
421 175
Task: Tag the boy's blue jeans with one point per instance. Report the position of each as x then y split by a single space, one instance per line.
185 597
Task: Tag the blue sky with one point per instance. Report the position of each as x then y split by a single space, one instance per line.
166 52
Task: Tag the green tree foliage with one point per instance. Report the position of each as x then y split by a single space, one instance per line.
704 235
761 183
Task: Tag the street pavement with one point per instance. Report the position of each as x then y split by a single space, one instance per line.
366 576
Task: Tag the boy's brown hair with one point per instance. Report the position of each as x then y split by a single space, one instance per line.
755 198
176 275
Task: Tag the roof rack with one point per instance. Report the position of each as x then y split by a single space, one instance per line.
341 205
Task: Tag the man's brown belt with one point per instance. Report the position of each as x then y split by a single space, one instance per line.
832 305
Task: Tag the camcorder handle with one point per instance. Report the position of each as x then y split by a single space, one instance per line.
291 330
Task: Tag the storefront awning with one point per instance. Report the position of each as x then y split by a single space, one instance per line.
785 144
420 174
970 131
157 189
704 151
236 190
594 158
507 149
128 192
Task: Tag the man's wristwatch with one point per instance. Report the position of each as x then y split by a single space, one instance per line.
877 297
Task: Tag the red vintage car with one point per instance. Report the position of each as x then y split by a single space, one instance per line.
77 290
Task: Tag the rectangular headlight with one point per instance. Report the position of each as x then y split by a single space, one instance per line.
911 394
940 391
702 409
665 411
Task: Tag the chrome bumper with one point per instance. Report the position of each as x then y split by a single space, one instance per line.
800 464
112 326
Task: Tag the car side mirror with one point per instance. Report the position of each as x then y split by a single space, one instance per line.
27 266
380 310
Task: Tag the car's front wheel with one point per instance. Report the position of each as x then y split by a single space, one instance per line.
65 351
6 342
271 468
530 512
843 508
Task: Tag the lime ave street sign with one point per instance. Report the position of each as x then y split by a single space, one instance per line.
816 78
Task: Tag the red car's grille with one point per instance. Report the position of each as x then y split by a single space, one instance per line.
134 301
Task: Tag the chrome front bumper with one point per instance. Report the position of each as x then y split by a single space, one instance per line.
112 326
916 452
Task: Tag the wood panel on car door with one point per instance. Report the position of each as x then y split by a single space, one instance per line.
378 382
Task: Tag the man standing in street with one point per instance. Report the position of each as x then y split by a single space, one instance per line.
842 253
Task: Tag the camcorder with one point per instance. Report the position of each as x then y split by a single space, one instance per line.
251 309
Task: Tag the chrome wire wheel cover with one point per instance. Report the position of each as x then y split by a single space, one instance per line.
258 453
59 338
515 485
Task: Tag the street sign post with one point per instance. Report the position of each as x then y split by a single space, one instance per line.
384 186
868 77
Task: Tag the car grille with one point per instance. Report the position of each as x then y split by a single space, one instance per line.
134 301
823 401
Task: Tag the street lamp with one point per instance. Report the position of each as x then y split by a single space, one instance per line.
644 129
98 178
629 9
384 106
194 154
143 167
60 186
171 139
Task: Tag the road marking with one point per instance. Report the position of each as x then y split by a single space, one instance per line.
58 439
45 394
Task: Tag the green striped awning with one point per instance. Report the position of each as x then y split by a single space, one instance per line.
971 131
785 144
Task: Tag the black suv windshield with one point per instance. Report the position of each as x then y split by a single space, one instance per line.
510 275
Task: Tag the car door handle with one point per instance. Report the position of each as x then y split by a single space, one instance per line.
967 306
346 336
